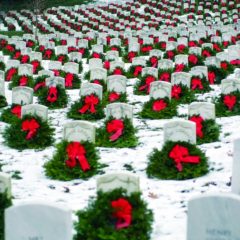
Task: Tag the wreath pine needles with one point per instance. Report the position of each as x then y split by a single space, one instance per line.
161 166
3 101
122 98
56 168
7 116
96 221
186 95
127 139
15 137
16 81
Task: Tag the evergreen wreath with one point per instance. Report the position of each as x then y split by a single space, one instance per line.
2 66
37 137
219 73
87 76
168 112
207 131
134 71
61 101
85 52
118 71
12 114
72 81
57 168
24 80
183 94
10 73
63 58
5 202
97 221
127 138
228 105
153 61
200 84
165 74
112 97
195 60
142 87
39 84
87 115
128 56
162 166
3 101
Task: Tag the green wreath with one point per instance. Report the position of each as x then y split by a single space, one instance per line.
97 222
75 82
163 167
127 139
169 112
75 114
3 101
56 168
61 102
2 66
7 116
142 83
16 81
186 96
122 98
15 137
205 84
130 72
220 74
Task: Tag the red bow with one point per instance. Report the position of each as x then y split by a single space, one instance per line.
116 127
117 71
61 58
181 48
31 126
148 81
225 43
181 155
154 61
216 47
163 45
179 67
52 94
48 53
165 77
35 65
192 44
170 54
23 81
235 62
198 120
131 55
176 91
10 48
137 71
81 50
30 43
159 105
224 65
24 59
206 53
56 72
69 79
76 152
197 84
230 101
211 77
114 96
39 85
96 55
146 49
11 72
107 65
123 212
16 110
193 59
90 102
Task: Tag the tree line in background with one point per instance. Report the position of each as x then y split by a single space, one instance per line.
38 4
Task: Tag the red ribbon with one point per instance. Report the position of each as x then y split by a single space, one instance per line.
52 94
123 212
61 58
17 55
35 65
154 61
107 65
24 59
192 44
10 48
165 77
96 55
69 79
170 54
31 126
181 48
90 102
198 120
114 96
163 45
16 110
224 65
23 81
131 55
176 91
76 152
81 50
179 67
148 81
235 62
159 105
216 47
116 127
197 84
206 53
117 71
145 49
181 155
48 53
211 77
11 72
193 59
39 85
230 101
137 71
56 72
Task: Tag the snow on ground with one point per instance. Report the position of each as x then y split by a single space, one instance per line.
167 199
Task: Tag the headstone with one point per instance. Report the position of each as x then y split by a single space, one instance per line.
36 56
204 109
46 73
12 64
54 65
138 61
54 81
181 78
95 63
75 56
116 64
25 69
109 182
117 83
200 71
165 64
98 73
181 59
230 85
212 61
155 52
5 184
91 88
71 67
22 95
150 71
2 87
38 221
180 130
214 217
160 89
119 111
78 131
35 109
61 50
112 55
97 48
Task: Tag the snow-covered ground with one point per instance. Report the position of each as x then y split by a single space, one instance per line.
167 199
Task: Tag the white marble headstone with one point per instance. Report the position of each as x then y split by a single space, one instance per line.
98 73
75 56
165 64
78 131
35 109
22 95
54 65
150 71
2 87
25 69
119 111
46 73
139 61
205 109
181 59
54 81
95 63
91 88
38 221
112 55
71 67
181 78
109 182
117 83
160 89
180 130
230 85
